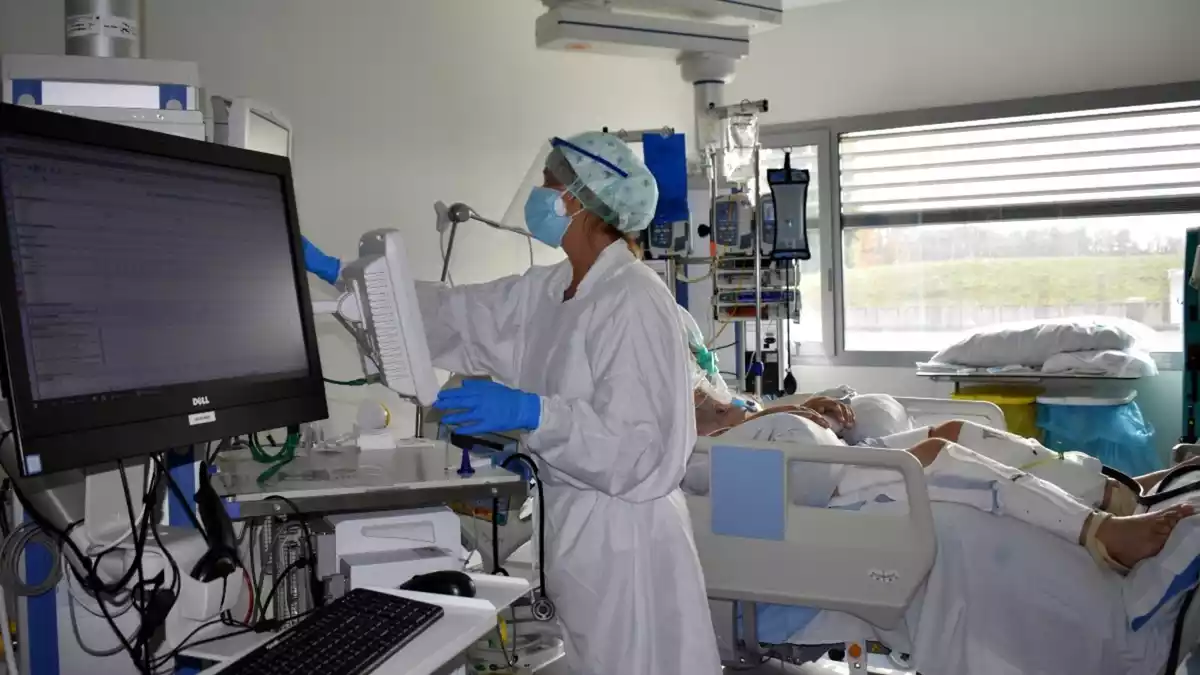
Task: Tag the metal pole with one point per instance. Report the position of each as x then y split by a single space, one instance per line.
739 358
758 216
782 349
419 418
448 253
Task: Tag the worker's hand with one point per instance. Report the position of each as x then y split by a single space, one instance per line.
482 406
840 412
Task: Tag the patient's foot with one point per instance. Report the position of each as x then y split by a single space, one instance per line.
1132 539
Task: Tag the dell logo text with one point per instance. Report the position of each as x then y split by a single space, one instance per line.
200 400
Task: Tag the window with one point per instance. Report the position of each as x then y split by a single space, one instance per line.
912 288
949 227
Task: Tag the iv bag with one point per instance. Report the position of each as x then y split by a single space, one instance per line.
741 138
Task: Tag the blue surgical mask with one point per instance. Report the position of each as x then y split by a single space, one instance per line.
546 216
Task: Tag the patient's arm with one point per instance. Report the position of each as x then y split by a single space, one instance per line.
801 410
1151 479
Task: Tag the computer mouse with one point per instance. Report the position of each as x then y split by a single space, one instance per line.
442 582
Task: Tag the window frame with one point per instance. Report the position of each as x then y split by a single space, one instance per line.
825 134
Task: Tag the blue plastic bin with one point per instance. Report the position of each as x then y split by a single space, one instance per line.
1111 430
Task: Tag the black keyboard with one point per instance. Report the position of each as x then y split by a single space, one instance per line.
349 636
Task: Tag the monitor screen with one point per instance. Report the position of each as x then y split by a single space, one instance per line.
265 135
138 272
146 279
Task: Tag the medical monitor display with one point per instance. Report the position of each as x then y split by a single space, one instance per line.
151 296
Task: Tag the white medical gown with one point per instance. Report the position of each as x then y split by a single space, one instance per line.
616 431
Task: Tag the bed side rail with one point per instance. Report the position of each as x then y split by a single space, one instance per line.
925 411
755 545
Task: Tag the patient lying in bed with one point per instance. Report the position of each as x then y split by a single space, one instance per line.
966 463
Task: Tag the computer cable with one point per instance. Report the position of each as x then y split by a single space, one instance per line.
90 604
283 530
187 643
131 645
89 650
5 489
90 580
315 590
140 643
278 460
296 565
357 382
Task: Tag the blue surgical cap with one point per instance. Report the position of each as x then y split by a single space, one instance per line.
611 174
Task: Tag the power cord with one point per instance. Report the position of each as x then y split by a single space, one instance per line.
314 580
91 580
5 489
142 638
297 564
145 597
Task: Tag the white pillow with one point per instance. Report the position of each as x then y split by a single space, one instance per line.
1031 343
1131 363
876 416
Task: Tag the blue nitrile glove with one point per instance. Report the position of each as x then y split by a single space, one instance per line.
482 406
324 266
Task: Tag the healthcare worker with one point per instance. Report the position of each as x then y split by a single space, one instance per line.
587 357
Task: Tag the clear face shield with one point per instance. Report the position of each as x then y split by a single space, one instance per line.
595 170
535 176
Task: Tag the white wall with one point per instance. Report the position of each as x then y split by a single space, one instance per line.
395 105
871 56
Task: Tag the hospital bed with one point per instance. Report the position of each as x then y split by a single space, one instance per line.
756 546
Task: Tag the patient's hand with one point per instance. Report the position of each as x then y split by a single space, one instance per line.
839 411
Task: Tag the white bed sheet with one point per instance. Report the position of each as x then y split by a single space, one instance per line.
1005 598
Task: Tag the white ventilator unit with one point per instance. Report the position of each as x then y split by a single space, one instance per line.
379 306
251 124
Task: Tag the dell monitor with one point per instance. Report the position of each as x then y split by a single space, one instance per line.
152 292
